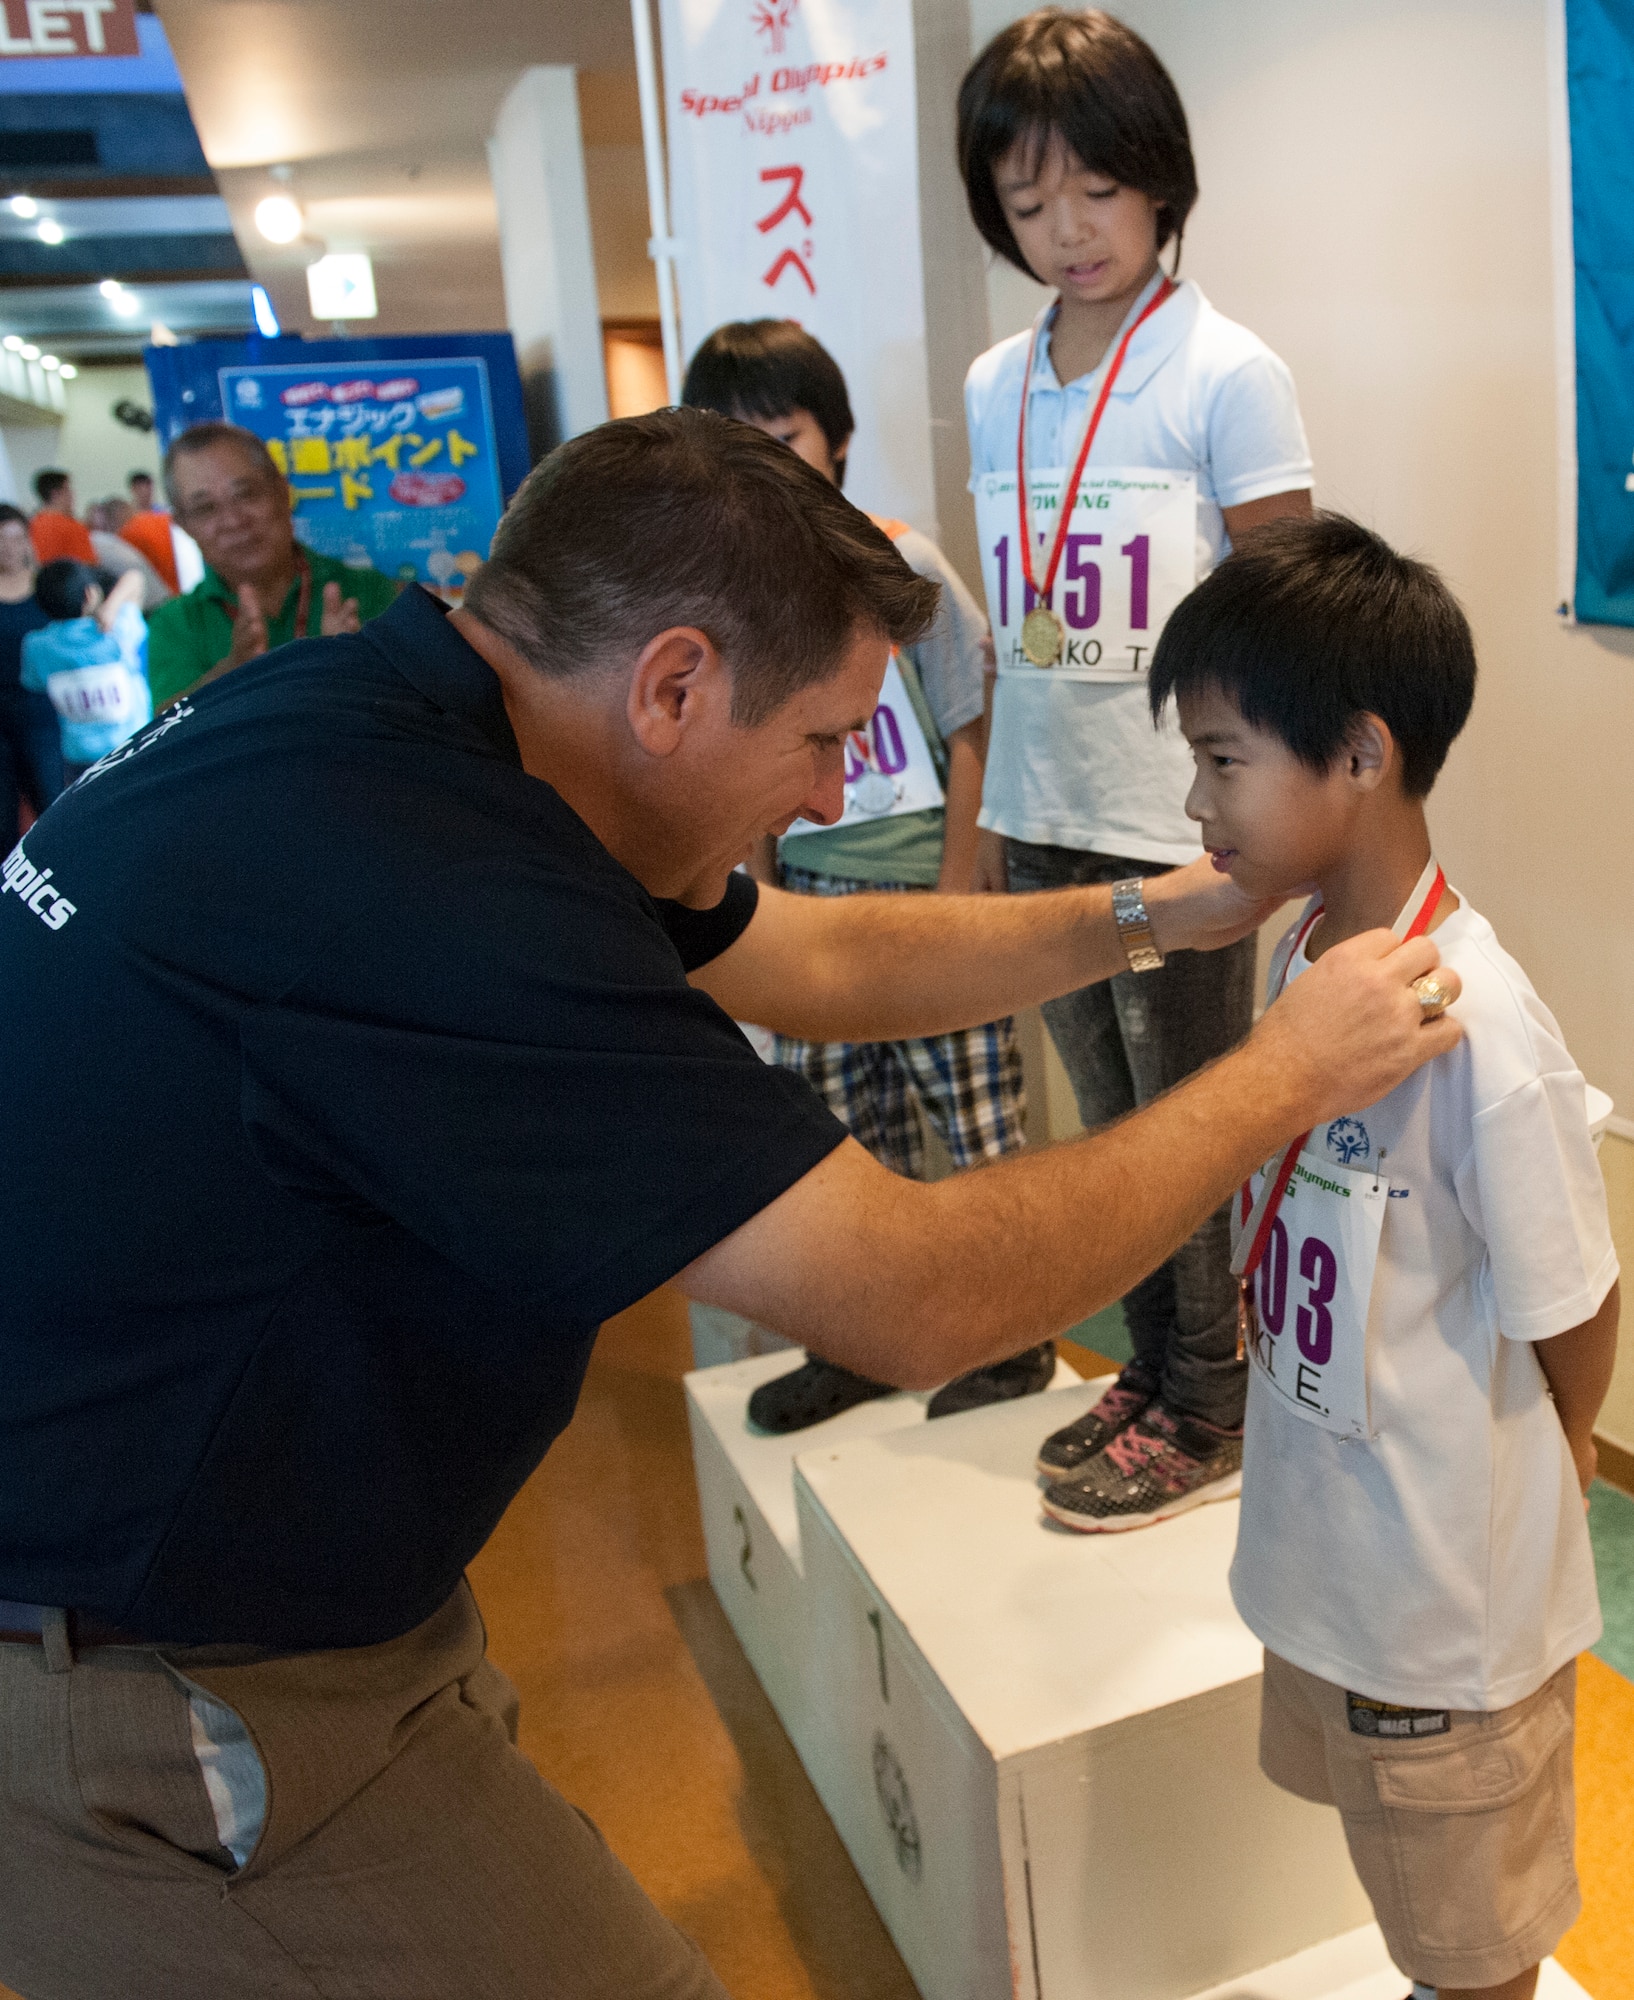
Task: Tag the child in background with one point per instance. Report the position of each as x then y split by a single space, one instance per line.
30 753
91 660
1175 431
914 785
1432 1306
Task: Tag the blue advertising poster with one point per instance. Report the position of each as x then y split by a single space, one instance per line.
392 466
400 451
1600 94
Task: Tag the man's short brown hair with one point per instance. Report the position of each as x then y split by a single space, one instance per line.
200 437
684 517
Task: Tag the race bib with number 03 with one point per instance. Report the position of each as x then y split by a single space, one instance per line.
93 694
1129 557
890 770
1308 1336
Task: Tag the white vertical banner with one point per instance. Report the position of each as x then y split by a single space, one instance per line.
794 190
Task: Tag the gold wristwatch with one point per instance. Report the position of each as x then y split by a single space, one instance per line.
1134 925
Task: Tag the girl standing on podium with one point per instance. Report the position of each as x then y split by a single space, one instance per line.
1117 450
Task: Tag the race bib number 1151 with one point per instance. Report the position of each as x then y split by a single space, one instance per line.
1129 556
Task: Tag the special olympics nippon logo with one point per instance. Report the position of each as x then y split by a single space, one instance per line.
1348 1140
773 19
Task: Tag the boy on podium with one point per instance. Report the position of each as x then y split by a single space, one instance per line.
1429 1286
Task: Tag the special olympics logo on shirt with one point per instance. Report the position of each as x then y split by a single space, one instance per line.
773 19
1348 1140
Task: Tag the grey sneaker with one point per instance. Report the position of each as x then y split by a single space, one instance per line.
1160 1466
1065 1453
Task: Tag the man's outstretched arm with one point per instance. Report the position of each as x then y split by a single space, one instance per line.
913 1283
882 968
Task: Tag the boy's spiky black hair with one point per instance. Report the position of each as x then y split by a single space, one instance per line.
769 368
1087 79
1310 625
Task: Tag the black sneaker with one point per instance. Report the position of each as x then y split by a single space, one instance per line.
1159 1466
810 1394
1066 1452
1023 1374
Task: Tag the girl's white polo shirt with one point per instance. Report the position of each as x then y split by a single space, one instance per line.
1074 763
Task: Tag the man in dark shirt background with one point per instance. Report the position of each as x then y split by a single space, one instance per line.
410 959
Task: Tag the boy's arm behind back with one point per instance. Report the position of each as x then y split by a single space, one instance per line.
1577 1365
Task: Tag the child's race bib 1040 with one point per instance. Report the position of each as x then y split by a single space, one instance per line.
1308 1335
1130 556
888 766
94 694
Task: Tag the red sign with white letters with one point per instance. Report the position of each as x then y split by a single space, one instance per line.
68 28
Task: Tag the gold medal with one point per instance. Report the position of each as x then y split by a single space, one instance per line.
1041 636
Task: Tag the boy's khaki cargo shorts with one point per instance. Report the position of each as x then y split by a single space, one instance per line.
1460 1822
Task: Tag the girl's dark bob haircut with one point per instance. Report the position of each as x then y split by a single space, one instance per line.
1087 79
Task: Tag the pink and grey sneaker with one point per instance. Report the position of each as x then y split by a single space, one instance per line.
1160 1465
1065 1453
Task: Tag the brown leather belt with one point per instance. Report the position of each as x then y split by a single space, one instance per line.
21 1625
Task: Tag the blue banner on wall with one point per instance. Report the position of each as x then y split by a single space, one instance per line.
1600 100
400 453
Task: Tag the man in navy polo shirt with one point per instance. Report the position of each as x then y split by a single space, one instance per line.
371 1042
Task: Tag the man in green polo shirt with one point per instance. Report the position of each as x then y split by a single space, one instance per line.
261 588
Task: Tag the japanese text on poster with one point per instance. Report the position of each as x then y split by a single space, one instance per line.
392 464
794 181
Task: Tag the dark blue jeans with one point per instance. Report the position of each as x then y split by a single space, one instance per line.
30 757
1123 1043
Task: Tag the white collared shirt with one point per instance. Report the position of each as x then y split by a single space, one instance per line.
1444 1561
1078 764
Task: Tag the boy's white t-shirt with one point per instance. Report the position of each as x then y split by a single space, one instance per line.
1444 1562
1075 763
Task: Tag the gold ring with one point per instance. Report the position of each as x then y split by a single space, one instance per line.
1434 994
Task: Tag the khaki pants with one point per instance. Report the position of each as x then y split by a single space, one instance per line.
1459 1821
408 1852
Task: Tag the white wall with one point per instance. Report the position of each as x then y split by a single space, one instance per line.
1376 204
100 453
536 159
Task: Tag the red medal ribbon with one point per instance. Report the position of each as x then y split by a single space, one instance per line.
303 602
1164 291
1413 922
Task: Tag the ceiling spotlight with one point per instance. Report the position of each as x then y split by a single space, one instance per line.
68 371
51 362
29 351
110 288
266 320
13 343
25 205
49 231
278 218
125 304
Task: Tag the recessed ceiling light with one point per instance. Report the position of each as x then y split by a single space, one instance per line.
49 231
50 361
25 205
13 343
29 351
110 288
126 304
68 371
278 218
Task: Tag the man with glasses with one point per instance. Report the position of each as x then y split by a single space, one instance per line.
261 588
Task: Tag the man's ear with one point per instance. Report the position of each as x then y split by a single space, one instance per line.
679 681
1370 752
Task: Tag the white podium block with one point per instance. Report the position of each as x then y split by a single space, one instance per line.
1044 1744
1355 1967
746 1497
